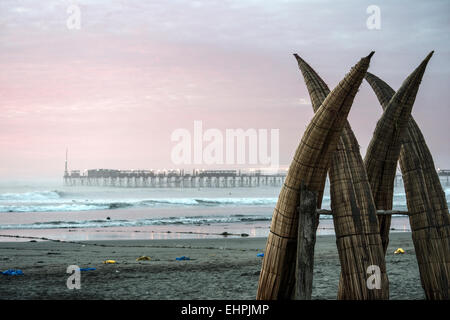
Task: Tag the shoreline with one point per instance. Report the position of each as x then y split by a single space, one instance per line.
220 268
188 230
146 233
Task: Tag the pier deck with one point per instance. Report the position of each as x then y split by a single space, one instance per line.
172 178
184 179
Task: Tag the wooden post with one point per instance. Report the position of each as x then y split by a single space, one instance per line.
307 226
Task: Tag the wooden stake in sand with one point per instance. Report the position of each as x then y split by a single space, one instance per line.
354 212
309 166
307 226
384 148
427 205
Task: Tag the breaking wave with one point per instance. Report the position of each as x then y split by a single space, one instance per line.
57 201
32 196
52 201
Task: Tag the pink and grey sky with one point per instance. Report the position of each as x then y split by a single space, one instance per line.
114 90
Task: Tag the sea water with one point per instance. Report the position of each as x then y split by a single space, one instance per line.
50 210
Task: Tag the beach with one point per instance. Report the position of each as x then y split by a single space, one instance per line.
219 268
221 230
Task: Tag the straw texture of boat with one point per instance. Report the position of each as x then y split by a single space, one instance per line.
427 205
309 166
354 212
384 148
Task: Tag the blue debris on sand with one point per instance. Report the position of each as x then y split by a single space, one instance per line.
260 255
182 258
13 272
87 269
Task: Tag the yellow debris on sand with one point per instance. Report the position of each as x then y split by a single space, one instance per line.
399 250
143 258
109 261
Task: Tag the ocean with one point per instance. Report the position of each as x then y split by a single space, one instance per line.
49 210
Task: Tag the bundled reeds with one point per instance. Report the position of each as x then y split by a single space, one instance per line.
427 206
354 212
309 166
384 148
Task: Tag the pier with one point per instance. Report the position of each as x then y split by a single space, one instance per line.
172 178
188 179
444 177
444 173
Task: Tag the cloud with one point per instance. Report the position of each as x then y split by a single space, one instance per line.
137 68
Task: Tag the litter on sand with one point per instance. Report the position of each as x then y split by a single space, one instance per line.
109 261
260 255
143 258
182 258
87 269
399 250
13 272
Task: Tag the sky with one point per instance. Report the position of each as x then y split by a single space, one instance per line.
114 90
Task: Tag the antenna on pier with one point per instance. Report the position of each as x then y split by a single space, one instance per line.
66 172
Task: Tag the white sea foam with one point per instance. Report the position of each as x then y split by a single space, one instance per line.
53 201
31 196
191 220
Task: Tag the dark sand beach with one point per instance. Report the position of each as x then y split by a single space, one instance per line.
226 268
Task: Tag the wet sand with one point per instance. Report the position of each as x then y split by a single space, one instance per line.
226 268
